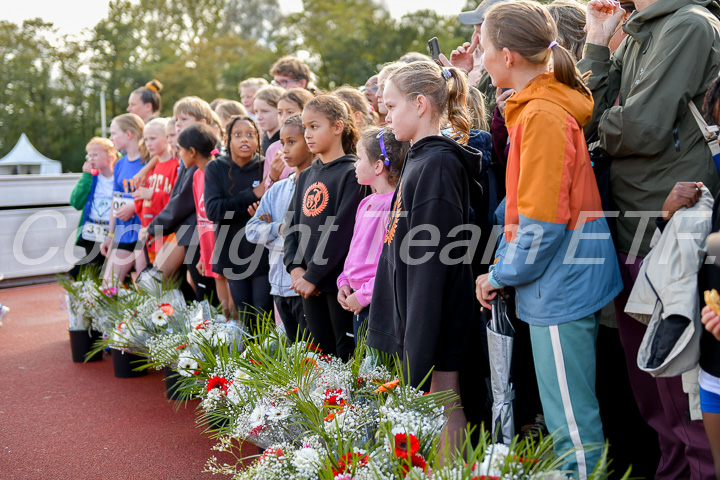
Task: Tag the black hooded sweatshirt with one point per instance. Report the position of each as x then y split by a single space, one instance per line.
228 194
323 191
422 304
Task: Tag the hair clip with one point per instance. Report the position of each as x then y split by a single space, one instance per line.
214 151
381 137
446 73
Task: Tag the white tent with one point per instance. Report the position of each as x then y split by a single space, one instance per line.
24 158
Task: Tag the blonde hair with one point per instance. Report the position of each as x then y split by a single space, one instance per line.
527 28
569 16
106 145
357 102
129 122
387 70
195 106
229 108
254 83
476 108
446 90
157 124
271 95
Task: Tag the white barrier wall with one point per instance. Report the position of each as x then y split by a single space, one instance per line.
40 240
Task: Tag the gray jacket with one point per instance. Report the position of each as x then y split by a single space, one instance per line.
668 285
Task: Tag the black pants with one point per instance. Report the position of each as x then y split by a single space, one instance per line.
329 325
204 286
292 315
252 298
92 257
360 323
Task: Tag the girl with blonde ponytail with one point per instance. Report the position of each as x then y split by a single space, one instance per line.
121 245
561 277
422 307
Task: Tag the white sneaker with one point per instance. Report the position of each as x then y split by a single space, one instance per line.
4 310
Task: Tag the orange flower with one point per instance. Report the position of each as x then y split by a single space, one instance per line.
294 390
167 309
386 387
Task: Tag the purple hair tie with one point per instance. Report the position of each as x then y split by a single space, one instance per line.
381 137
446 73
552 44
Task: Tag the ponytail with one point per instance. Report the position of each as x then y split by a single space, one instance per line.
446 90
457 110
129 122
565 71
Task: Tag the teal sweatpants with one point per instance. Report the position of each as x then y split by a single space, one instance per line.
565 367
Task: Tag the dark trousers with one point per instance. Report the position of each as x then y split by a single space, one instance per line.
329 325
684 448
252 297
360 323
92 257
292 315
204 286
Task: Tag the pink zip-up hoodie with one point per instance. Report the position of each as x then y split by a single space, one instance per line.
371 222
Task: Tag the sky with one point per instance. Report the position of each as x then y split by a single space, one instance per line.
72 16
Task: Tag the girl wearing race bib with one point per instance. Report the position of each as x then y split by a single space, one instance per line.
121 245
93 195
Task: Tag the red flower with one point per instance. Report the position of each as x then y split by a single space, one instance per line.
402 444
255 362
332 398
202 325
314 348
326 358
350 460
167 309
276 452
415 461
184 345
218 382
120 326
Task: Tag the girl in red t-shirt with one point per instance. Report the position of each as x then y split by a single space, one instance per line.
152 198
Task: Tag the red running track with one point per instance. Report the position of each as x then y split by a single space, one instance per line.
63 420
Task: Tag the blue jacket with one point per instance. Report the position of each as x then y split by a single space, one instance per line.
275 202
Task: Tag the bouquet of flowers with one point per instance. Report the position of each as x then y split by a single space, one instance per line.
81 298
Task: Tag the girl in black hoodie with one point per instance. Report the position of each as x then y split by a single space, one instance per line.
422 305
318 236
232 184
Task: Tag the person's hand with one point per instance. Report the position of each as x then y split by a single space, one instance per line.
353 305
200 268
602 20
125 212
142 193
87 166
281 229
143 234
484 290
683 194
266 217
501 99
304 288
711 321
253 208
105 247
141 176
276 166
462 56
343 293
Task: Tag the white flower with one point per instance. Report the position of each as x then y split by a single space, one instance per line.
186 366
159 318
257 416
305 459
277 414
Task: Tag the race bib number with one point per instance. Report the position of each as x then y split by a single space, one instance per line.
119 201
94 231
